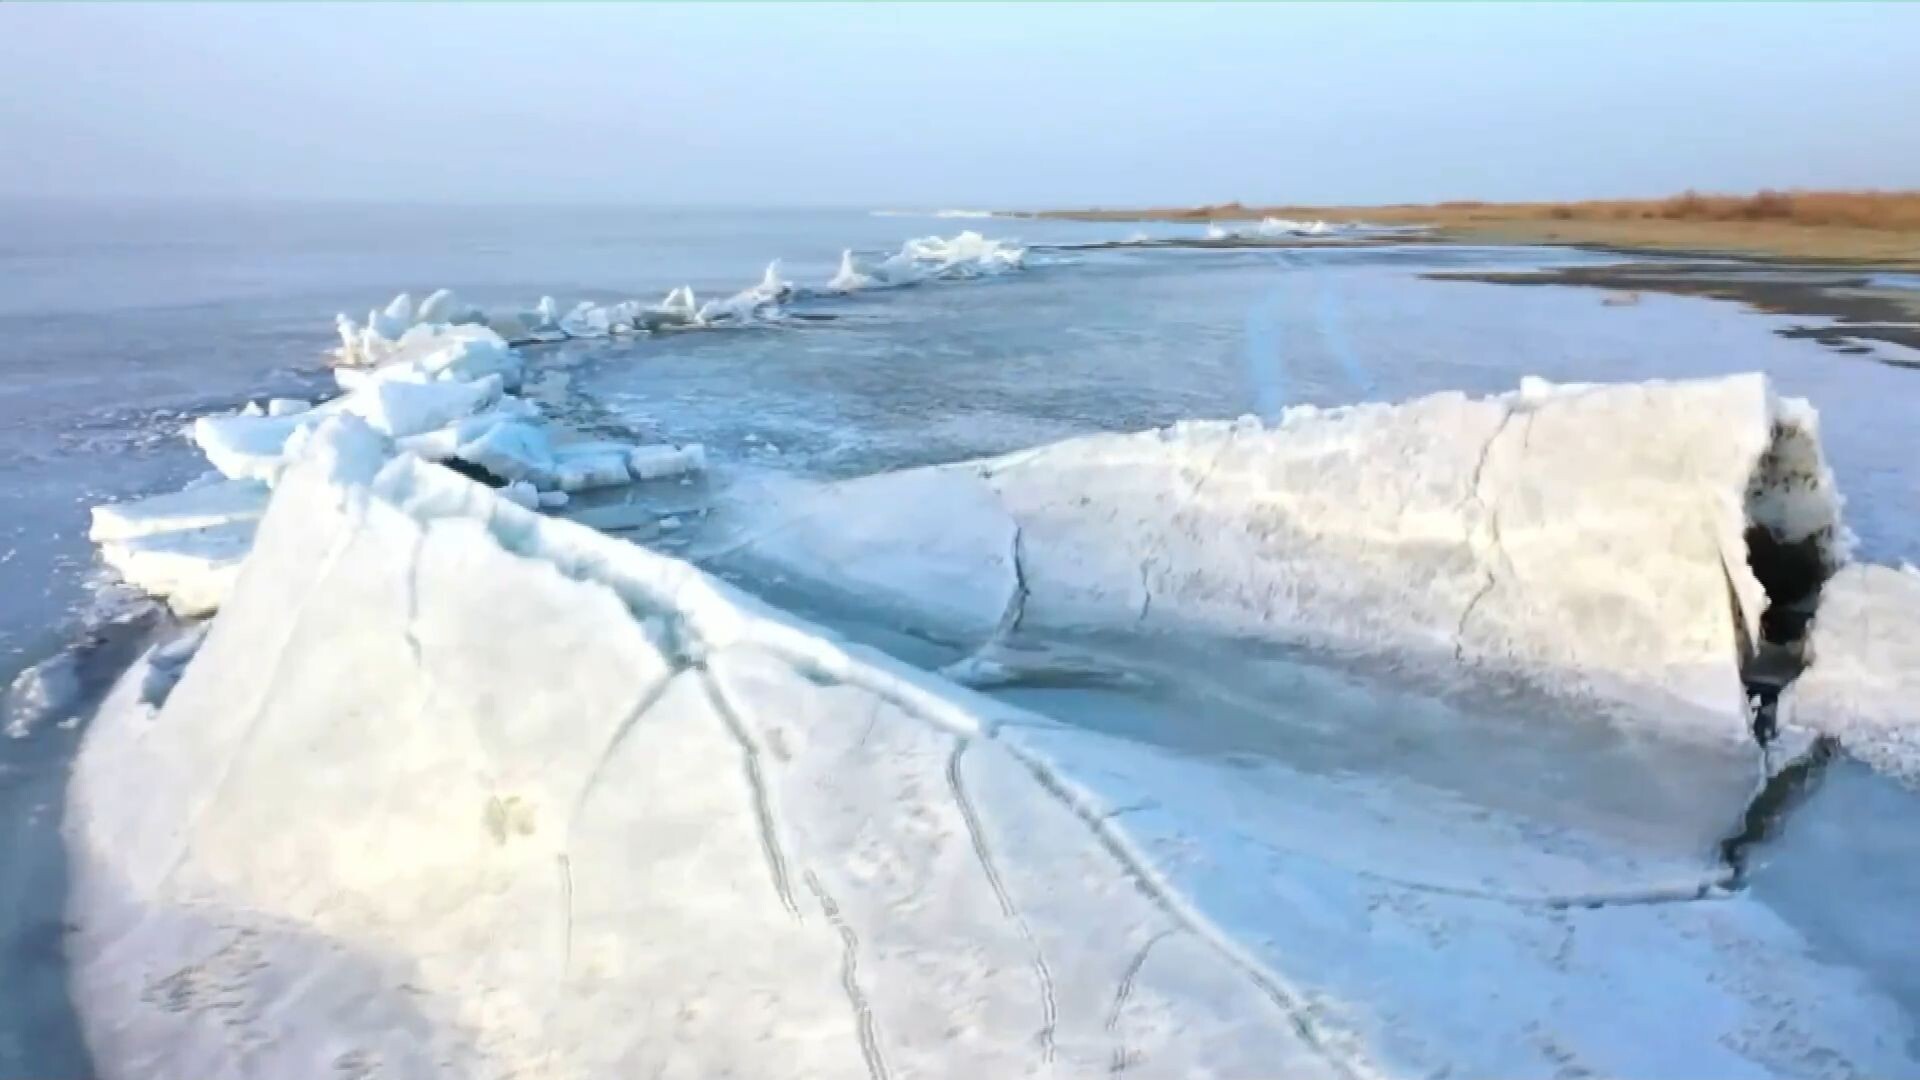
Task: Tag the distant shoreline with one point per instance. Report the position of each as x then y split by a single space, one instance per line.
1834 271
1880 229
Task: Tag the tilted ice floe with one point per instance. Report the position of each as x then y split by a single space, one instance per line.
456 789
1591 540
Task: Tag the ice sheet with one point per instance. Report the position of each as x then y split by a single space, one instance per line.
1586 538
653 825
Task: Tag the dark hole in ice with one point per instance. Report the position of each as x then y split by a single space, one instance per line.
1782 792
1792 573
477 473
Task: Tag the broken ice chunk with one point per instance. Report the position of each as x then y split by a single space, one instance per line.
661 462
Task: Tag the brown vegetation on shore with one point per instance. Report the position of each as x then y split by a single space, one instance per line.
1860 226
1851 209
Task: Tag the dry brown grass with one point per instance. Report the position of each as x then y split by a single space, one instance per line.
1849 209
1880 227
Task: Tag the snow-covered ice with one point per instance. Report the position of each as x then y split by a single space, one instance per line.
1589 539
1862 686
656 826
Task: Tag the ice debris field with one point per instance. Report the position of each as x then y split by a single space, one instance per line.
453 786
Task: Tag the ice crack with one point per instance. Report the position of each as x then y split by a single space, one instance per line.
1496 544
1017 601
647 700
1043 975
412 632
757 783
863 1018
1300 1016
1125 989
1777 797
1146 592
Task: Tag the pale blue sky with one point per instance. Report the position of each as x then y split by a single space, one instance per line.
925 106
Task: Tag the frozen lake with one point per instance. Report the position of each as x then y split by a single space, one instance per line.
1243 768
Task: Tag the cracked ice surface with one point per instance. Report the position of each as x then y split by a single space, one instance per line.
657 828
1585 538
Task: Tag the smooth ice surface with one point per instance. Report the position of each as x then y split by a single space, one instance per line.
1863 684
1588 538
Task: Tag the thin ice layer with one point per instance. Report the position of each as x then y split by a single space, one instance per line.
1588 538
201 506
191 569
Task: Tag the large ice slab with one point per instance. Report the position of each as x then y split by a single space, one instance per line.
1590 539
644 826
1863 685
